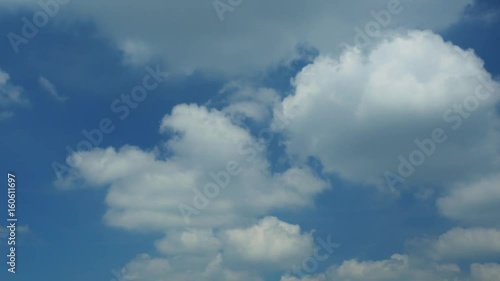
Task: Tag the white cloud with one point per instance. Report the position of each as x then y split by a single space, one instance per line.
475 203
146 187
388 97
147 268
430 259
192 241
11 96
247 102
466 244
201 254
485 272
359 113
189 35
144 267
397 268
401 267
270 243
50 89
203 145
136 52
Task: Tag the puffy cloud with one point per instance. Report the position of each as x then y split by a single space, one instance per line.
11 96
238 44
398 267
195 168
103 166
360 113
475 203
401 267
270 243
429 259
202 254
319 277
244 102
192 241
144 267
466 244
203 175
485 272
147 268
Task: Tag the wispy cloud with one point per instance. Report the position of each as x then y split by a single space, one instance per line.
51 89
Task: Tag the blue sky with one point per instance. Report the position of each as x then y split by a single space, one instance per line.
350 113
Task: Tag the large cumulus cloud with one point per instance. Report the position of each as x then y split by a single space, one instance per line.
367 112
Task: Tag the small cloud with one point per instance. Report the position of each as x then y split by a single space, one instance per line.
491 16
23 229
51 89
483 13
4 115
11 96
